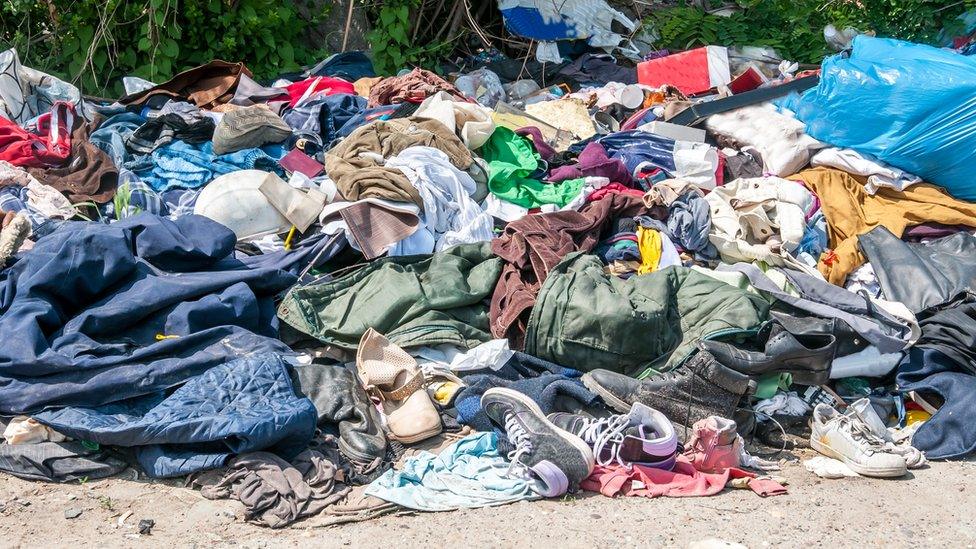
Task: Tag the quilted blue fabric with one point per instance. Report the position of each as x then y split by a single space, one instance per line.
240 406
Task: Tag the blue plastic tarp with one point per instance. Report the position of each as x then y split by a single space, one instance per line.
912 106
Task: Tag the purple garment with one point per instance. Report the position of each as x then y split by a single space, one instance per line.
931 230
535 135
593 161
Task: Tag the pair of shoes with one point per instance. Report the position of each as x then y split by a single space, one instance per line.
644 436
787 349
697 389
849 438
390 375
559 449
558 458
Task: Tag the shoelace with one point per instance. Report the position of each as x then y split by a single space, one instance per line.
519 438
863 436
604 433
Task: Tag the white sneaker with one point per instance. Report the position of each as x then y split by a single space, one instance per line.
914 457
847 438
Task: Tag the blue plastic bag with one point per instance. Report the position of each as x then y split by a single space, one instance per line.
911 105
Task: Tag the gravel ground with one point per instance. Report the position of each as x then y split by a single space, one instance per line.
931 507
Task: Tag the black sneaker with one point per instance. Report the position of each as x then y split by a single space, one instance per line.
558 458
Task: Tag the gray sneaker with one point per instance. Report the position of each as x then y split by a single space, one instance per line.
644 436
558 458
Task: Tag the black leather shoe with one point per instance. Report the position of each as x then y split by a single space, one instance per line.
341 402
699 388
807 356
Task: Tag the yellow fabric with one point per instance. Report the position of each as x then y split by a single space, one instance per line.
649 244
850 211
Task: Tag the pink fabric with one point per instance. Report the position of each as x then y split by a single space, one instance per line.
613 188
683 481
766 487
330 86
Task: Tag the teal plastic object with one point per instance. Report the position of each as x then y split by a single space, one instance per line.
910 105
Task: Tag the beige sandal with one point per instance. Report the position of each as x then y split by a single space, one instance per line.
393 376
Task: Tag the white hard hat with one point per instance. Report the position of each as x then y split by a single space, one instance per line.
235 201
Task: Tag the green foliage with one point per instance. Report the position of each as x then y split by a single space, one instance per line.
795 27
393 45
95 42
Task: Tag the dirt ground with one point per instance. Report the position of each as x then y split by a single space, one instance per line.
932 507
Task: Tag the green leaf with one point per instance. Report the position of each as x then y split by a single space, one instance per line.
144 44
99 59
387 16
160 17
174 31
85 35
399 34
287 53
169 48
70 46
127 58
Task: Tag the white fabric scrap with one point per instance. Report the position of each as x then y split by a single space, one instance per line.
450 213
784 403
825 467
878 173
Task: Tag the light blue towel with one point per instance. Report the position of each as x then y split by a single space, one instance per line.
468 474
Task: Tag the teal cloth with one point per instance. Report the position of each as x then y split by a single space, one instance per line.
468 474
511 160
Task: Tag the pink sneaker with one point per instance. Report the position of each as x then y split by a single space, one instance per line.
714 445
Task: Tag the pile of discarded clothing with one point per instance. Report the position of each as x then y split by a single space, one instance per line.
338 294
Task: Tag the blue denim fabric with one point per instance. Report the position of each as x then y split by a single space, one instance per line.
112 134
189 166
324 115
636 147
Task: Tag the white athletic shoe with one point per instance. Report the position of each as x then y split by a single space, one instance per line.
847 438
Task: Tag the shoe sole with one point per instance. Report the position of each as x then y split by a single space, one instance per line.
418 437
607 397
576 441
857 468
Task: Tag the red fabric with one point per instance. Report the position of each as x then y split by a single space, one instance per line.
613 188
640 481
720 171
330 86
766 487
51 146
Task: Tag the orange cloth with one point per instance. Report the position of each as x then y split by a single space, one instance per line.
851 211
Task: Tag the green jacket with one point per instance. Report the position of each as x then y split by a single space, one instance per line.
587 319
413 300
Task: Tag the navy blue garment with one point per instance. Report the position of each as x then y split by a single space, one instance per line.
349 65
98 313
951 431
324 116
543 381
241 406
636 148
943 361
